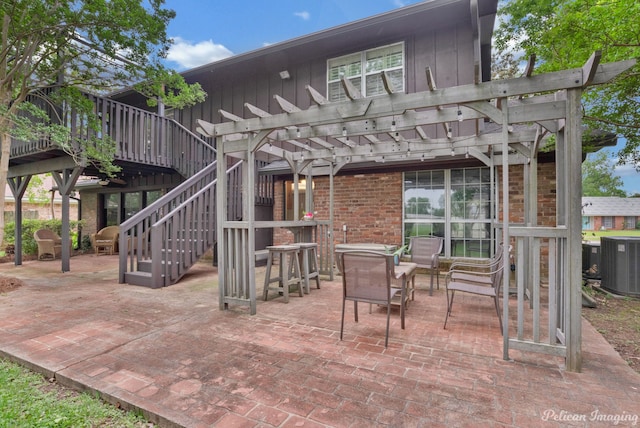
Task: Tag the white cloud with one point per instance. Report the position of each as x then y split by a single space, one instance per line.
399 3
189 55
304 15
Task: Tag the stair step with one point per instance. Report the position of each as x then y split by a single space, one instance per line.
145 266
143 279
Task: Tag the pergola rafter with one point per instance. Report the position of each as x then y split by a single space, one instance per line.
399 127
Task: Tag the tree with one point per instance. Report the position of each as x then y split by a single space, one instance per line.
597 179
52 52
564 34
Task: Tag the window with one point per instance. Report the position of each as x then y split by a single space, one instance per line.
363 70
455 204
470 212
111 208
288 199
118 207
630 222
607 222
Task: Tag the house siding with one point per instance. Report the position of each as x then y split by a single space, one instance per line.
447 51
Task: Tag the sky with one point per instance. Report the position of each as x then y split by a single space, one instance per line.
205 31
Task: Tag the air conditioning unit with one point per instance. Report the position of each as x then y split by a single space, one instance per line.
591 260
621 265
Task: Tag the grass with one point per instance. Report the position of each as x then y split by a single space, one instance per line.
29 400
595 235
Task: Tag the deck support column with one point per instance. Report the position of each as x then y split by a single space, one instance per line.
66 181
18 186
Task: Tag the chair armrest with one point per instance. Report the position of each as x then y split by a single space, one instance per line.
435 260
483 264
484 278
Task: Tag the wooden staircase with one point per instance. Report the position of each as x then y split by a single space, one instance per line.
160 243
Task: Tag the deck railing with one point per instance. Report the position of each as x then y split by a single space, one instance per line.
140 136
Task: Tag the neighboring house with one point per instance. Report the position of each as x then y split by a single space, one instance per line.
45 205
610 213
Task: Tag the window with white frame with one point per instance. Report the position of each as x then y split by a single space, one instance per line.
455 204
630 222
363 69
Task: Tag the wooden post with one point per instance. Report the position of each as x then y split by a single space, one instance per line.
573 140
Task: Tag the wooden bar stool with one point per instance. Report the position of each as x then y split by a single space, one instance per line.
289 272
309 254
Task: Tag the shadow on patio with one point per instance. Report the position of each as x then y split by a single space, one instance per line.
172 353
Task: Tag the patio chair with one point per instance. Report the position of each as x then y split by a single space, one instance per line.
366 277
105 240
485 282
49 243
425 252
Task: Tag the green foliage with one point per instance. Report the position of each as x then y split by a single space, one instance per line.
85 245
29 245
169 86
36 193
24 402
597 179
54 52
564 34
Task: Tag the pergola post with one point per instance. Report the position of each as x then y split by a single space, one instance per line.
505 225
221 216
573 141
249 214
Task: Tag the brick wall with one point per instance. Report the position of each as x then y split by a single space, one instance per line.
370 205
41 211
546 194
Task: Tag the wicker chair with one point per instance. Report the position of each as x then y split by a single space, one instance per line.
49 243
106 239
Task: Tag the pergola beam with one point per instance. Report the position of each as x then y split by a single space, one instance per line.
397 104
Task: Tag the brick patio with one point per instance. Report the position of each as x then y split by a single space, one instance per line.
173 354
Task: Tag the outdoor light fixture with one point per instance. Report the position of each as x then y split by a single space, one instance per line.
453 152
344 131
284 75
460 118
298 133
393 126
103 182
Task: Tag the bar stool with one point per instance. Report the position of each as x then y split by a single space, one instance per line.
289 273
309 256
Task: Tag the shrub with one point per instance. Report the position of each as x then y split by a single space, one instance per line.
29 245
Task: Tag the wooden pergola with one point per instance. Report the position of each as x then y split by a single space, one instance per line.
400 127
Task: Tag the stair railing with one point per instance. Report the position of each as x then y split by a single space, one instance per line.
181 237
134 232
